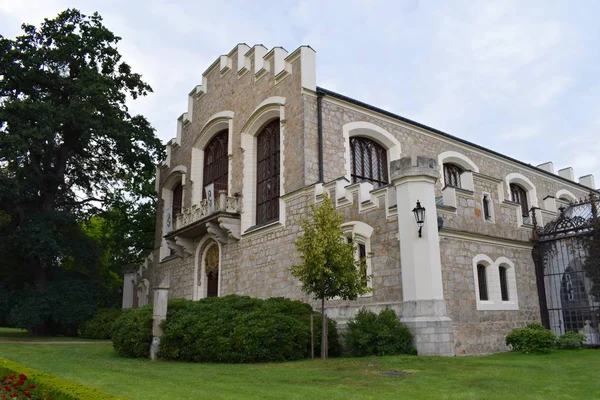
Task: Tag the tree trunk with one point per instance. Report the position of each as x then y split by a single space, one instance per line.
323 330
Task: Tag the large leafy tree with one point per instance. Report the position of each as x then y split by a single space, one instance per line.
329 268
68 145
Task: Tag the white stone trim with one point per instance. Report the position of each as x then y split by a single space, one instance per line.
564 194
218 122
373 132
270 109
468 166
523 181
361 234
492 271
199 288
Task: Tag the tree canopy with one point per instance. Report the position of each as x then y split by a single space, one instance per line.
329 267
70 149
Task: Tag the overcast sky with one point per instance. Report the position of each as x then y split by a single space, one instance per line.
521 78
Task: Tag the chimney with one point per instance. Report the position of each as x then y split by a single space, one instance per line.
588 180
547 166
567 173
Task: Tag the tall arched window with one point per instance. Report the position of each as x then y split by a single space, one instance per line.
177 200
267 173
482 281
368 161
216 162
519 195
452 174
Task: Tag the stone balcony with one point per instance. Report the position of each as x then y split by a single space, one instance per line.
221 221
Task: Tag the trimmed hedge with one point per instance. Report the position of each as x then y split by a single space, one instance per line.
51 386
381 335
239 329
533 338
100 325
132 332
230 329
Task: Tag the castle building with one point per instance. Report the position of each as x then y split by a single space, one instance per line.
260 142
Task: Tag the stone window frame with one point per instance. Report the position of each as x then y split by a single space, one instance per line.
530 190
487 197
375 133
361 234
199 288
495 302
217 123
270 109
177 175
466 177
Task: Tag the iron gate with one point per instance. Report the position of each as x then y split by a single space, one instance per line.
564 285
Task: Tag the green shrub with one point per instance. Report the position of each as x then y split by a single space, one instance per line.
51 386
239 329
100 325
533 338
571 340
132 332
371 334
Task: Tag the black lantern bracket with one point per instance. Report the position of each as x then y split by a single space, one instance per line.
419 212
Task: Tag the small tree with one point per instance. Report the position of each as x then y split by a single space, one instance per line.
329 268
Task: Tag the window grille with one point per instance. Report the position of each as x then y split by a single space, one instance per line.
368 162
267 171
216 162
519 195
452 174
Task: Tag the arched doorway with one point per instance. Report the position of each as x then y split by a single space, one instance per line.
211 270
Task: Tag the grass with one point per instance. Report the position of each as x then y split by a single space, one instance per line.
559 375
21 335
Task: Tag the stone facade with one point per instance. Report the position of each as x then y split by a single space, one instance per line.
248 88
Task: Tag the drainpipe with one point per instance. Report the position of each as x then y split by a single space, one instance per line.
320 133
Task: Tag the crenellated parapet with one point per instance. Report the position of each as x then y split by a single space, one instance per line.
344 194
262 63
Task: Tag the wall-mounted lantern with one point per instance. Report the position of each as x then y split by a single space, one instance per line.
419 212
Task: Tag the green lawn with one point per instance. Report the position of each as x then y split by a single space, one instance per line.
14 334
560 375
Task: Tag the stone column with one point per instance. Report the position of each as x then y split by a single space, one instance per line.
159 314
423 307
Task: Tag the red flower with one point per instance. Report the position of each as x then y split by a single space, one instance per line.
23 377
32 386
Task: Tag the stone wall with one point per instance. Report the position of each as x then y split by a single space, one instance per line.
479 331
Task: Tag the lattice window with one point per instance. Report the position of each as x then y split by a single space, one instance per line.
519 195
482 281
368 161
216 162
177 200
452 174
267 172
503 283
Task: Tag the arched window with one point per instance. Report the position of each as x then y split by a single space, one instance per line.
519 195
482 281
452 174
267 173
503 283
368 161
361 256
216 162
177 200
